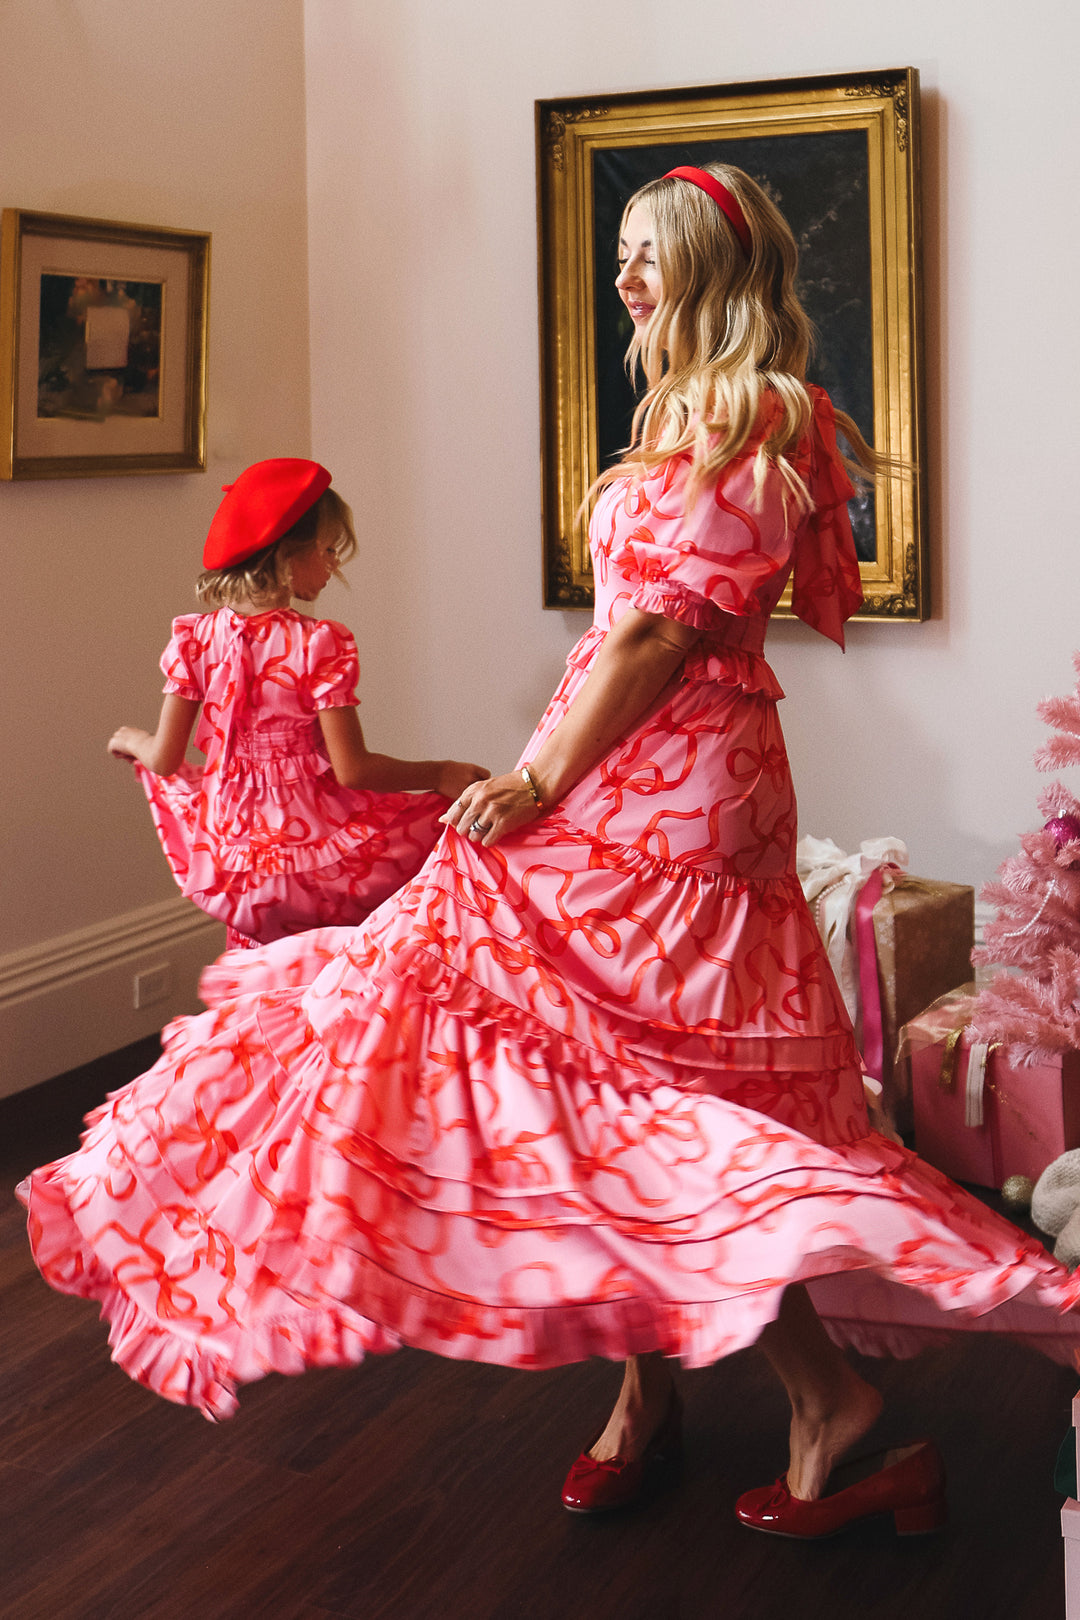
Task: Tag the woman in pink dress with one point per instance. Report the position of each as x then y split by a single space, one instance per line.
586 1085
292 822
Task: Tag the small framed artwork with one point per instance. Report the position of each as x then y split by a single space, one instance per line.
103 345
840 158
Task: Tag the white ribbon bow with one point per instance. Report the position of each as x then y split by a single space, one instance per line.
831 881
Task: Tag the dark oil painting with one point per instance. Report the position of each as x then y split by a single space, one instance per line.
99 350
819 181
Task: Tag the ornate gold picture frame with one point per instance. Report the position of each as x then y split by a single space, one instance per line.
103 347
840 156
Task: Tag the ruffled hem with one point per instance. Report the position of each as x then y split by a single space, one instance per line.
292 963
370 827
861 1312
176 1366
696 1058
267 1198
328 1332
387 827
491 946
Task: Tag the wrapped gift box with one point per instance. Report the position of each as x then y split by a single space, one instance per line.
1030 1115
925 934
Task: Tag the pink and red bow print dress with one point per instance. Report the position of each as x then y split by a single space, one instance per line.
262 836
588 1092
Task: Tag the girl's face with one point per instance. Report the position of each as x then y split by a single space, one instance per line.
638 281
312 568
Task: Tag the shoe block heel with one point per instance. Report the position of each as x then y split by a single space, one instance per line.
922 1520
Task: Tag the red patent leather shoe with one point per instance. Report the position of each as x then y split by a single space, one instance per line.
597 1487
909 1483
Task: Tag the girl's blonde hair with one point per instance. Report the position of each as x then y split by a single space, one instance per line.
267 573
727 329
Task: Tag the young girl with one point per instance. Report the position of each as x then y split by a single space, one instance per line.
292 822
586 1085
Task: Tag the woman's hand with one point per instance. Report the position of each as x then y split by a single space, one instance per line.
639 656
484 812
454 777
126 742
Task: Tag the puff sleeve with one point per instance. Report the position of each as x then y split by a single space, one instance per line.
730 550
726 552
183 659
826 585
333 666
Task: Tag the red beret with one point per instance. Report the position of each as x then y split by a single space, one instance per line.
263 504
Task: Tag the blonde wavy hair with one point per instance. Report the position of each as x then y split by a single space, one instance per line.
728 329
262 577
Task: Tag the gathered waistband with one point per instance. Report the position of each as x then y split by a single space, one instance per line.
277 739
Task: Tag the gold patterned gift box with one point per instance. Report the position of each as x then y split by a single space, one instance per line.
924 931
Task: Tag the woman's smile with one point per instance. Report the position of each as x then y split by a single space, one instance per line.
638 282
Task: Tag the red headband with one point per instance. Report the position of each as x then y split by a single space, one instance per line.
727 203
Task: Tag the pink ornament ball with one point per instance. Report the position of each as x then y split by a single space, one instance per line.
1063 829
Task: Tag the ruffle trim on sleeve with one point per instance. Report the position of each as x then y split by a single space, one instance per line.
675 601
334 665
182 689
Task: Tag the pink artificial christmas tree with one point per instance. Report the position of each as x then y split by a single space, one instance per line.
1036 1011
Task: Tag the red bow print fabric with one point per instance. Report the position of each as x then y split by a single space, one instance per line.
589 1092
262 837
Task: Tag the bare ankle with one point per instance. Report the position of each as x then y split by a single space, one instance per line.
640 1409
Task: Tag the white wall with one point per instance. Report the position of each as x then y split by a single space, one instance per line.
425 400
174 114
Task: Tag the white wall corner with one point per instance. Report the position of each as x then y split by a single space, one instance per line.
71 999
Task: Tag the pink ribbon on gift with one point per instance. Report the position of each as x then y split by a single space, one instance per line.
869 988
873 1024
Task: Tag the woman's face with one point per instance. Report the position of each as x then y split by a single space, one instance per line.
638 281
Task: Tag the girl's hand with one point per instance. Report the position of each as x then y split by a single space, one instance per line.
125 743
454 777
486 811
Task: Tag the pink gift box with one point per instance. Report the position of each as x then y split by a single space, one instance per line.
1030 1115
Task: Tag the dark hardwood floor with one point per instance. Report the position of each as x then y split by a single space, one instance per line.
418 1489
